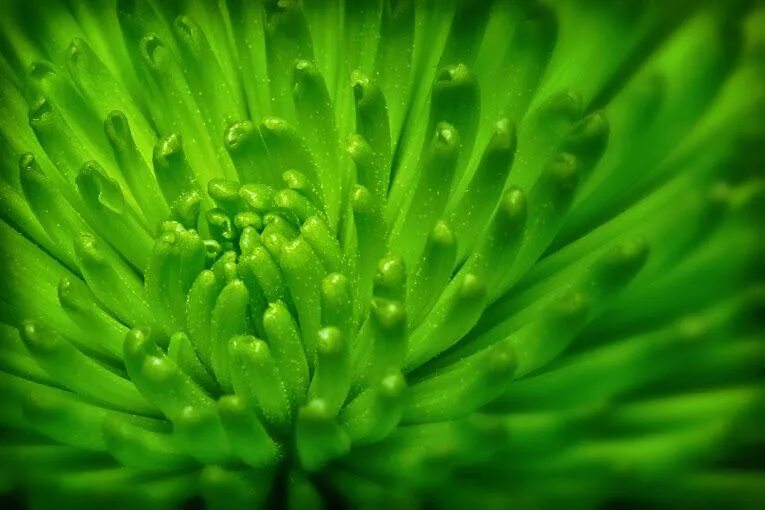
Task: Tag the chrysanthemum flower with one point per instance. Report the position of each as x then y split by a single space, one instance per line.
380 253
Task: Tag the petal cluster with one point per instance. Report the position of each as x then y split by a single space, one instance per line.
429 254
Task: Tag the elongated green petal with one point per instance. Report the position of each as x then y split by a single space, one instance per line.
81 373
159 379
246 434
256 379
287 348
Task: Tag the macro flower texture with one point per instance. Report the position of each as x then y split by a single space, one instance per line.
410 254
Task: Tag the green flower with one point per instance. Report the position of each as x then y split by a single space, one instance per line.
380 253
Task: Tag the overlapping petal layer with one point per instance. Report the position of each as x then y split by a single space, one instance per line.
410 253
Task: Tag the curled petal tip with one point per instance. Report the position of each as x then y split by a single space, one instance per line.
472 287
513 203
447 136
504 126
65 286
272 123
505 135
158 369
307 79
259 197
588 138
153 51
238 133
302 65
564 168
222 190
186 29
231 404
37 405
334 281
632 250
359 149
86 247
138 344
362 200
75 49
361 85
195 415
168 147
568 103
330 341
316 410
40 112
117 128
454 74
35 338
294 179
391 276
621 263
571 306
389 314
392 385
39 71
247 346
95 185
442 235
29 167
248 219
592 126
502 361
